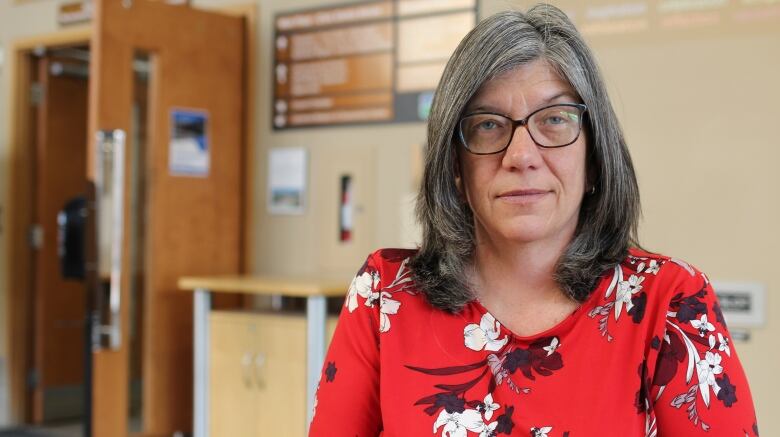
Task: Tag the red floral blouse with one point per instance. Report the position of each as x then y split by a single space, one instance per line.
648 354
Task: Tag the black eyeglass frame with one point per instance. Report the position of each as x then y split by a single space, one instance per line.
522 122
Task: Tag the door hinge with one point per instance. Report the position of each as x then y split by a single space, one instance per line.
35 236
36 93
32 379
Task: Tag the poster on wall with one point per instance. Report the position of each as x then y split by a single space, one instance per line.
188 148
287 180
372 62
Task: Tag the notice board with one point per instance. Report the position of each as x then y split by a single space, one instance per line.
370 62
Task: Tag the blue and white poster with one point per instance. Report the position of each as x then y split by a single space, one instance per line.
188 152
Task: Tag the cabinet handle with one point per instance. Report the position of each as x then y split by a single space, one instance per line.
246 371
259 364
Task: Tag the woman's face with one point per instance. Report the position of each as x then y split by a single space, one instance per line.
526 193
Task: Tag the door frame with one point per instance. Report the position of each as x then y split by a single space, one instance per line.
21 171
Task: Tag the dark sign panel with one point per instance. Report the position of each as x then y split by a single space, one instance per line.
370 62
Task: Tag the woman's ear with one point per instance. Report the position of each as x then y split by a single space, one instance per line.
459 179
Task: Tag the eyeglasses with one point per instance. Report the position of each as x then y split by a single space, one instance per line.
486 133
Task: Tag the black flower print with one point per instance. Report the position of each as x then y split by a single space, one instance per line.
450 402
539 357
727 393
689 308
505 423
330 371
655 343
637 312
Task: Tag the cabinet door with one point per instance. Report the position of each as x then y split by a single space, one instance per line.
258 374
233 402
281 375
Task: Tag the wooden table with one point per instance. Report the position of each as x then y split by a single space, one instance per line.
314 289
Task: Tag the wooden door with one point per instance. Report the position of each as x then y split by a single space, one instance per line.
58 303
193 221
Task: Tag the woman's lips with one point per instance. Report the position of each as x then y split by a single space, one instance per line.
523 196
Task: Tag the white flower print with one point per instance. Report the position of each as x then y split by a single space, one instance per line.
485 335
386 306
314 407
363 285
724 344
706 371
540 432
703 325
554 344
489 406
684 265
458 424
653 267
625 290
488 430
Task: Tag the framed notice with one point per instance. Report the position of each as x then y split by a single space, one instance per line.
369 62
287 180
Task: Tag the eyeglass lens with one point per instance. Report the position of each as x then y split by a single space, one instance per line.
555 126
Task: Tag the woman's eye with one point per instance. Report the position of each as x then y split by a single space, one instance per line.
555 119
487 125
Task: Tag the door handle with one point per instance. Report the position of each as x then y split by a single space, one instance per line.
109 227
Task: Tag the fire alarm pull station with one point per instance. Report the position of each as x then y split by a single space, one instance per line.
346 210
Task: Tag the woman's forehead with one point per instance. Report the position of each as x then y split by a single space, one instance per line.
531 84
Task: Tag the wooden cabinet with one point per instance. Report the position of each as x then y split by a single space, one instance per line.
257 368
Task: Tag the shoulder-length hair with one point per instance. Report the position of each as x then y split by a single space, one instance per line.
607 224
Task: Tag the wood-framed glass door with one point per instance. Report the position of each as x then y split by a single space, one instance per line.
192 193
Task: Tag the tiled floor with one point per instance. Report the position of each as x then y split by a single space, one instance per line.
62 430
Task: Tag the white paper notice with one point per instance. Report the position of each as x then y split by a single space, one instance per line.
188 150
286 180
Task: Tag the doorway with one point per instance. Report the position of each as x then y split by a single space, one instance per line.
164 309
57 347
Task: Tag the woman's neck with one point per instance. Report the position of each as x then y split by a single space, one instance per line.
517 273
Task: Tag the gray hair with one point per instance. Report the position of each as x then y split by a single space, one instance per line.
607 224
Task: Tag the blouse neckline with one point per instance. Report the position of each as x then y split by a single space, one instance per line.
556 330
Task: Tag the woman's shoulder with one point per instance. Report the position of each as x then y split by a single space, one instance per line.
665 275
381 280
642 260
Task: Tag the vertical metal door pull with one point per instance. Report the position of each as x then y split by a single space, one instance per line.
109 199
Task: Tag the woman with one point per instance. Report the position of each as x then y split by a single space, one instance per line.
529 308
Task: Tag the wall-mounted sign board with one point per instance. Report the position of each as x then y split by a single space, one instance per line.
371 62
743 303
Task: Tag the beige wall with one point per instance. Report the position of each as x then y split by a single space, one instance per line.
699 114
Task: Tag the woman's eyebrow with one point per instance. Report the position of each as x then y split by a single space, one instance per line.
559 95
483 107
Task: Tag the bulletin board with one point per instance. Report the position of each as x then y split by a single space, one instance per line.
371 62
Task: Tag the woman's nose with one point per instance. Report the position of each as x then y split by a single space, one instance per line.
522 151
